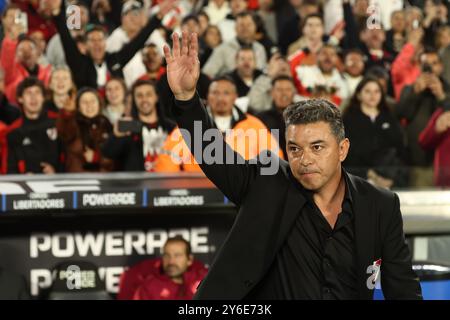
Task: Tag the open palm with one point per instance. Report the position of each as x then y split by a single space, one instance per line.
183 66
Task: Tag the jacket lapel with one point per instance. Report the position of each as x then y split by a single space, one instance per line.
294 202
364 235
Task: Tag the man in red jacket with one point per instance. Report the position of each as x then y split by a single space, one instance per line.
174 276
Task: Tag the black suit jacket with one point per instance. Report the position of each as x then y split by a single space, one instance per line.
268 206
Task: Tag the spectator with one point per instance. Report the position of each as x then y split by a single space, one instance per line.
354 65
436 16
62 90
396 36
84 133
290 30
406 67
55 51
217 10
106 13
175 275
223 58
153 62
191 24
212 39
142 149
444 49
376 136
94 69
324 79
38 16
115 94
203 21
8 17
39 39
383 78
414 18
32 143
262 37
221 97
268 15
19 58
436 136
245 73
8 112
260 98
417 104
282 93
227 26
133 21
245 133
373 41
311 41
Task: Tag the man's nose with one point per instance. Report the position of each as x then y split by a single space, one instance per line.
305 159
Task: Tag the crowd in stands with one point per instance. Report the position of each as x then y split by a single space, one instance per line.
83 85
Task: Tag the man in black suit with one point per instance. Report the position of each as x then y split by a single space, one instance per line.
308 230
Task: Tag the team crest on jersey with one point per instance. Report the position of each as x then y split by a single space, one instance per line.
52 134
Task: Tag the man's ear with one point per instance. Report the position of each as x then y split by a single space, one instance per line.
20 100
190 260
344 147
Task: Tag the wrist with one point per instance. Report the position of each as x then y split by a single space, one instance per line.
185 96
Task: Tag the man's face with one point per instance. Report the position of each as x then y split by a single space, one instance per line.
326 59
398 21
221 98
32 100
8 20
313 28
96 45
238 6
354 64
146 98
245 29
132 20
283 92
152 59
27 54
432 60
191 26
360 7
314 154
175 261
374 38
245 63
39 38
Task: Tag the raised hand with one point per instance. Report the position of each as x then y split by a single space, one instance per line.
183 66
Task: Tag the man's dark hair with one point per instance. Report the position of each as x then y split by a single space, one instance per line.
282 78
245 47
316 110
226 78
310 16
28 83
378 72
190 17
246 13
181 239
95 28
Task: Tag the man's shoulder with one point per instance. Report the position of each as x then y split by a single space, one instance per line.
363 187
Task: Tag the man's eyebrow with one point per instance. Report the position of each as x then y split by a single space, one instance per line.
317 142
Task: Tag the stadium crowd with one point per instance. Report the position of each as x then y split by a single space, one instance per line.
83 85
